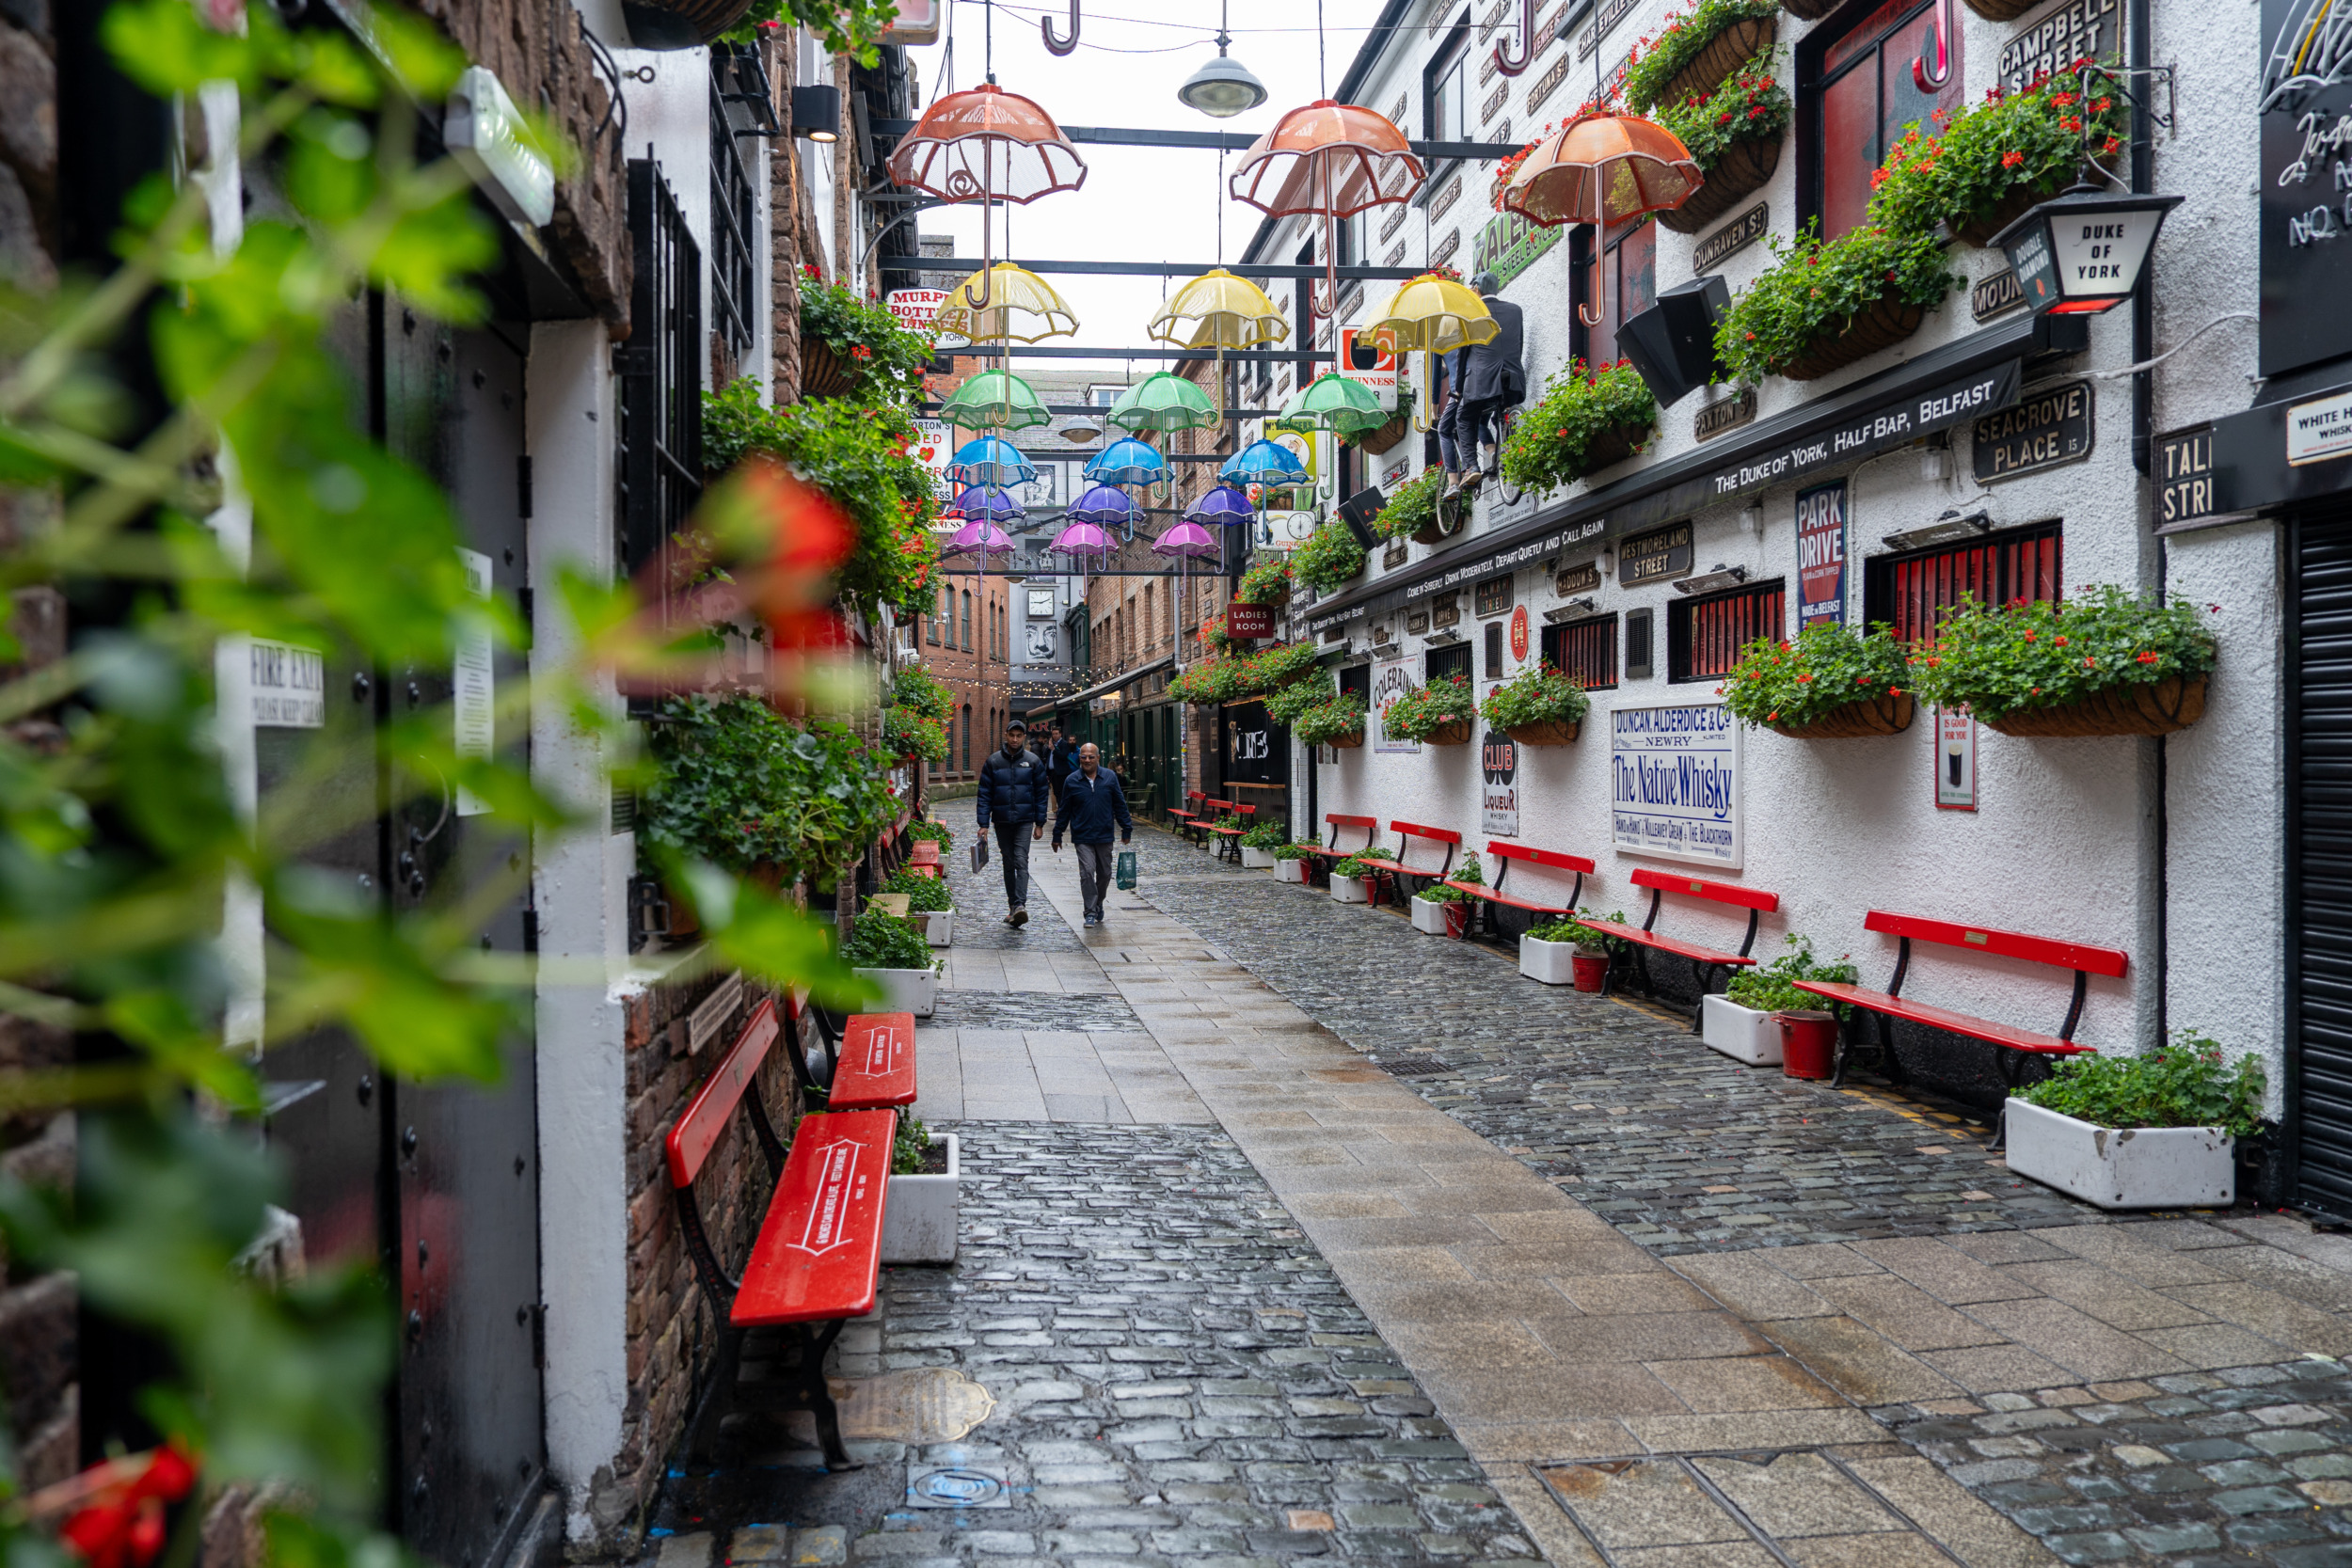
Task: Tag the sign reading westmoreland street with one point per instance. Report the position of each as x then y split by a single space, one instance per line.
1675 783
1654 556
2049 426
1937 409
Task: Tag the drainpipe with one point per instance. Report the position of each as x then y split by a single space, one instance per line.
2141 54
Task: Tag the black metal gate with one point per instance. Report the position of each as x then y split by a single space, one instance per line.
2319 866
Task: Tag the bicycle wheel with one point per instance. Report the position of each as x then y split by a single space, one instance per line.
1506 493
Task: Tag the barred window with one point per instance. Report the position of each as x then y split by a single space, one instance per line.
1443 664
1585 651
1909 590
1704 636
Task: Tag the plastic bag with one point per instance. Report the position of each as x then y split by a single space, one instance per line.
1127 870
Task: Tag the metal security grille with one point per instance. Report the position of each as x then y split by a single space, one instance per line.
660 452
1585 651
1445 664
2319 868
737 83
1909 591
1704 636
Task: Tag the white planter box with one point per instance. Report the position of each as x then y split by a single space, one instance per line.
1256 859
2145 1168
1349 889
1739 1032
1551 962
906 990
919 1212
939 927
1427 916
1290 871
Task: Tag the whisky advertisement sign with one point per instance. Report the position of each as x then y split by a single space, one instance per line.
1674 782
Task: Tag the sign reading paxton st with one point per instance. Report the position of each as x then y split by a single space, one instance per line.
1675 783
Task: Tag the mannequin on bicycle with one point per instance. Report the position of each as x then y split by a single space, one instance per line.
1486 379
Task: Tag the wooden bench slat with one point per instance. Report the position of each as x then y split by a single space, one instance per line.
1490 895
819 1255
2010 944
1699 887
1443 835
1667 944
876 1064
1943 1018
1533 856
1341 819
698 1130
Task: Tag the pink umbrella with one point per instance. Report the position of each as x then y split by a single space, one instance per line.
1081 539
977 537
1186 541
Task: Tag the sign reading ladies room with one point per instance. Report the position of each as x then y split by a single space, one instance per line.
1675 783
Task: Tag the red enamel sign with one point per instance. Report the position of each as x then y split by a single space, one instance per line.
819 1251
1249 620
876 1062
1519 635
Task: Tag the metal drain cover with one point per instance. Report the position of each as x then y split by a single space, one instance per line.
1411 1067
958 1486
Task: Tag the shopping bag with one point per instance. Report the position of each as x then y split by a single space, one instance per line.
980 852
1127 870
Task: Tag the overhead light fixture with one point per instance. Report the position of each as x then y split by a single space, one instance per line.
1752 519
1716 577
2082 251
817 113
1949 529
1569 610
1222 88
1078 433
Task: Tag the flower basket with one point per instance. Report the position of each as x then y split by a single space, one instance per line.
1456 734
1888 322
1380 440
1813 10
1726 53
1613 445
823 372
1346 742
1992 10
2155 707
1546 734
680 24
1887 715
1745 167
1434 531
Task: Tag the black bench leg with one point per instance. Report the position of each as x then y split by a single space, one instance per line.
810 1393
718 1395
1698 1009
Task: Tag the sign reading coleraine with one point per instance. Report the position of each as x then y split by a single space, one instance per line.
1675 783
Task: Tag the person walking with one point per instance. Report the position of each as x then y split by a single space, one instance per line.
1061 761
1014 796
1091 804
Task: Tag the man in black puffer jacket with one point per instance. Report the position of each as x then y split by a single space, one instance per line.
1014 796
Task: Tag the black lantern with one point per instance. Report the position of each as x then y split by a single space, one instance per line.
2082 251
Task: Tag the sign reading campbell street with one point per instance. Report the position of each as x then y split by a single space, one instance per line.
1674 782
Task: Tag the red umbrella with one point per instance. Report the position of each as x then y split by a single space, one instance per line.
1603 167
1332 161
986 145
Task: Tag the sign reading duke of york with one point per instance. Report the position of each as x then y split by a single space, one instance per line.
1675 783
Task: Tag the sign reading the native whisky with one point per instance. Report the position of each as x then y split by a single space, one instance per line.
2041 429
1675 783
1654 556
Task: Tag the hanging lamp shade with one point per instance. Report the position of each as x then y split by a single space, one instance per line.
1225 506
1217 309
1187 540
1332 402
1259 463
1436 314
977 537
1126 462
1163 400
985 503
994 400
1104 506
985 142
1327 159
1082 538
989 306
990 460
1603 168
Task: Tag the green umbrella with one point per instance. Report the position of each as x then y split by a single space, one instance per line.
994 400
1163 400
1332 402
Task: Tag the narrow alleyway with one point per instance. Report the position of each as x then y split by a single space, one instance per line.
1291 1233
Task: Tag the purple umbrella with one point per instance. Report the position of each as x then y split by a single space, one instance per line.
1225 505
1081 538
977 537
988 501
1103 506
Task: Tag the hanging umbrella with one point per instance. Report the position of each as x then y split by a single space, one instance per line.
1332 402
1602 168
1163 400
1127 462
1101 507
1217 309
986 145
982 307
1330 161
1083 539
1186 542
977 537
1263 463
986 503
994 400
1437 315
990 460
1225 506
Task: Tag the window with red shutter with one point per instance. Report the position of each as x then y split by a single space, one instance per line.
1704 636
1585 651
1863 93
1909 591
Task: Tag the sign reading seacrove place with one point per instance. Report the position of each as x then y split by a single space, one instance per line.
2049 426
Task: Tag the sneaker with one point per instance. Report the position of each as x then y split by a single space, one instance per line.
1019 916
1010 921
1453 485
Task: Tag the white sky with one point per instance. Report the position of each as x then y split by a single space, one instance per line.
1138 203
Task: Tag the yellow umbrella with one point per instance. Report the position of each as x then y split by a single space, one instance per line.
981 307
1436 314
1217 309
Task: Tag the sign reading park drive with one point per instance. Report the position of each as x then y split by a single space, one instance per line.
1821 555
1675 783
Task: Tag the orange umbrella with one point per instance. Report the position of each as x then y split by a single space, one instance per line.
1602 168
986 145
1332 161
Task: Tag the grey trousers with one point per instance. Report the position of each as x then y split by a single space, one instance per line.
1096 863
1012 847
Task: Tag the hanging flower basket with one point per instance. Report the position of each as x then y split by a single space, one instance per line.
1726 53
1456 734
680 24
1546 734
1615 445
1436 531
1346 742
1382 437
823 372
2154 707
1813 10
1887 321
1744 168
1889 715
1992 10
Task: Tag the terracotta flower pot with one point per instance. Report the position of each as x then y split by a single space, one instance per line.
1879 715
1886 321
1724 55
2155 707
823 372
1456 734
1553 732
1744 168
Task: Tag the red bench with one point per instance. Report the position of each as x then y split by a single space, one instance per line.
1331 854
1395 875
1229 839
2017 1046
1493 897
1187 819
818 1259
1207 815
1703 958
875 1069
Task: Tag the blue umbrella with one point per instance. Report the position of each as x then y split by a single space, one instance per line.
1128 461
990 460
985 501
1263 463
1225 504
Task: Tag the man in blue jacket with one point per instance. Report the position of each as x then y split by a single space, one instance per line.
1091 804
1013 795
